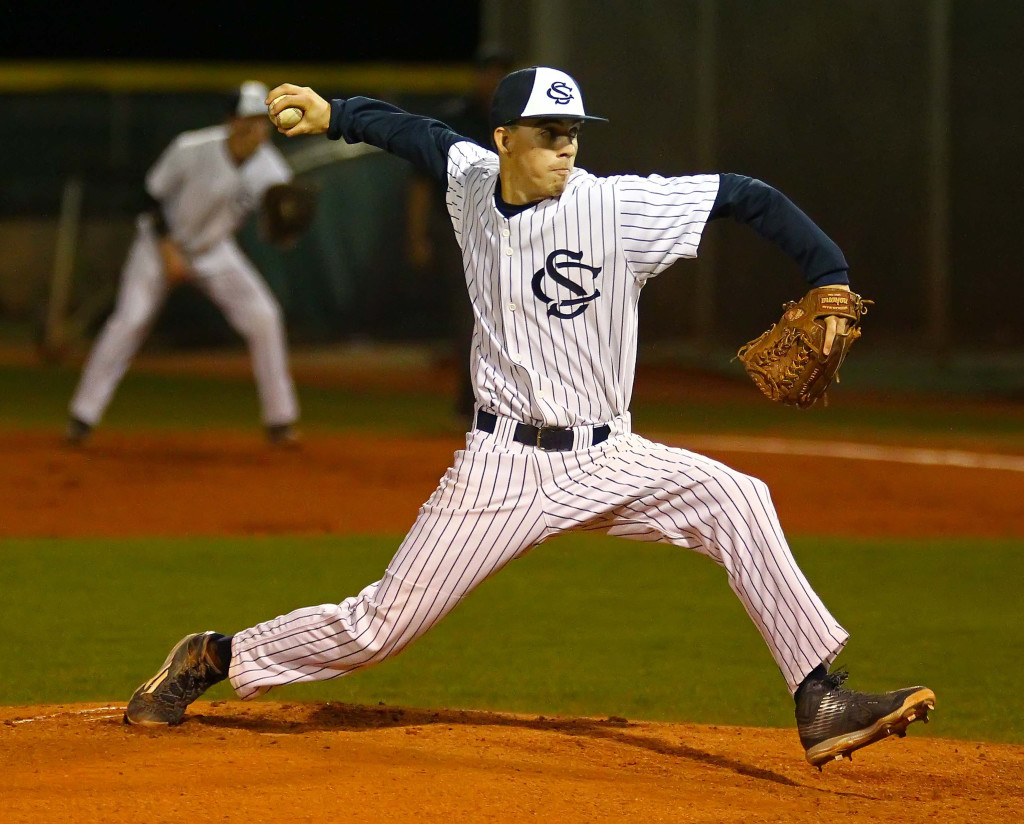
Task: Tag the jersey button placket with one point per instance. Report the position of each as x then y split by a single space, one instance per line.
510 304
506 248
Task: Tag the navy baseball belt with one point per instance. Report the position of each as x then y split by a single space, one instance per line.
548 438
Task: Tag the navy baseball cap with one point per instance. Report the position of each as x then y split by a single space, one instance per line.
537 92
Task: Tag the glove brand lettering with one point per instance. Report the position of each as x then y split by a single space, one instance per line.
787 363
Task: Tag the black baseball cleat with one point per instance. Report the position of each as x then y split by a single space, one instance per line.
76 432
833 721
190 670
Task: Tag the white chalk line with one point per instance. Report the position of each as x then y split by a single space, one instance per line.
856 451
89 711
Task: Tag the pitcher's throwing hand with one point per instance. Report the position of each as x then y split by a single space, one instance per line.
316 117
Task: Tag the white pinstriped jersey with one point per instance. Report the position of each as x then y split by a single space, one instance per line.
555 288
204 194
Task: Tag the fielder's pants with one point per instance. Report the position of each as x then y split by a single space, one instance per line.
501 498
232 282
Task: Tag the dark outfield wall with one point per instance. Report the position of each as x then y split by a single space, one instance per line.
826 101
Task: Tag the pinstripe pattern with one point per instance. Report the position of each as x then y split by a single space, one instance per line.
649 492
485 512
501 498
555 355
549 370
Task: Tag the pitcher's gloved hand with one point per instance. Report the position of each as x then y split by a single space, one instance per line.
788 362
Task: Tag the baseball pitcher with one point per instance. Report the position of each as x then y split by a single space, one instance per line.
555 259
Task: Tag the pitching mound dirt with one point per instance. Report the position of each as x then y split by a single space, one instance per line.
272 762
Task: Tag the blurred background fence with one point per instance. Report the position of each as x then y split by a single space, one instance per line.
895 125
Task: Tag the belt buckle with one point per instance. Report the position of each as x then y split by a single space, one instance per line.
551 432
540 434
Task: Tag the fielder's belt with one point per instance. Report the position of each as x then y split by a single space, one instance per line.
548 438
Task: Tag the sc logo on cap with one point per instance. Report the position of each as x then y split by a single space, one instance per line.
560 92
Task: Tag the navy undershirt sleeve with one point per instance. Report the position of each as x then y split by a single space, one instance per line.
776 218
422 141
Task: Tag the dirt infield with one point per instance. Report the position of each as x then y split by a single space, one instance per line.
225 483
277 762
268 762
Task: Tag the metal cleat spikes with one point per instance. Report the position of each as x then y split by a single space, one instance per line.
854 720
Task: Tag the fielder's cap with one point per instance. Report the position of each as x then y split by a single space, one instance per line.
248 100
537 92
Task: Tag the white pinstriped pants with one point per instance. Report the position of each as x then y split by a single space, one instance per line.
501 498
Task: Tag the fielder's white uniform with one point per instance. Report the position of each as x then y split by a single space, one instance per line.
205 198
554 288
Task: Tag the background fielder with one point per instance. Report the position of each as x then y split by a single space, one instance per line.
555 259
202 188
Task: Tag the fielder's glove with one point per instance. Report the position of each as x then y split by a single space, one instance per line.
286 213
786 363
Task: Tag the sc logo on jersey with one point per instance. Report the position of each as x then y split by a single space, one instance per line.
560 92
553 268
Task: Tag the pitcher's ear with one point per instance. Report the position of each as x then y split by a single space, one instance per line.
501 139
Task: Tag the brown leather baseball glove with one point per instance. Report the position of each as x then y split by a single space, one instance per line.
787 364
287 212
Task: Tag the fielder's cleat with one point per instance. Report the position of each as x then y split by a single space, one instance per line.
283 435
190 670
833 722
76 432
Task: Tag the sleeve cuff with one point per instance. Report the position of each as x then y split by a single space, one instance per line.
840 277
334 129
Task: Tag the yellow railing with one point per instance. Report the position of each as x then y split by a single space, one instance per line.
173 76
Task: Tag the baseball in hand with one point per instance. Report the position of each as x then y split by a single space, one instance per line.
286 118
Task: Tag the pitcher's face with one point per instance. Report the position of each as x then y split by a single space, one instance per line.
539 155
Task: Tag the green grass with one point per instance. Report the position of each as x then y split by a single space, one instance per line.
583 625
34 397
